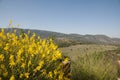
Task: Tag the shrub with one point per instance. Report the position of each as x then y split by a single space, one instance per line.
29 58
94 66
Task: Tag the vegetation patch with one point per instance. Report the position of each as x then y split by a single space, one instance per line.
29 58
94 66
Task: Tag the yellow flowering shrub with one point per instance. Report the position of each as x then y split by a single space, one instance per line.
29 58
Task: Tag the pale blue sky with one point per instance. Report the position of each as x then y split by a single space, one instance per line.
66 16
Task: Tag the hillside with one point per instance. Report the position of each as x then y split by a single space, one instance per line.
69 39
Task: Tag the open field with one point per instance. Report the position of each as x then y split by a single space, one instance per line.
74 51
93 62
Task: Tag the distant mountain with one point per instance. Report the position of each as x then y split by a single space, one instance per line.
70 38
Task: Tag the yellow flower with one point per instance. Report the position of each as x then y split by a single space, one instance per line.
30 49
53 46
23 65
20 51
12 77
11 56
6 47
12 63
38 37
2 30
50 74
28 31
0 44
26 75
43 42
5 74
29 53
66 60
21 75
56 55
0 78
1 57
34 35
44 72
41 63
2 66
61 76
55 72
29 63
14 31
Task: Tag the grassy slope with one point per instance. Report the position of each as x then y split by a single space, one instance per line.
92 62
74 51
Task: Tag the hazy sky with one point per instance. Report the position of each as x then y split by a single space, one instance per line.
66 16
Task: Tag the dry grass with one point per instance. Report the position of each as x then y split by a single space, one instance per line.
89 62
74 51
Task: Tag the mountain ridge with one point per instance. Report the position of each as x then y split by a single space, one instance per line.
77 38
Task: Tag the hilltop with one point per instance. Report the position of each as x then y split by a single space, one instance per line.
63 39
